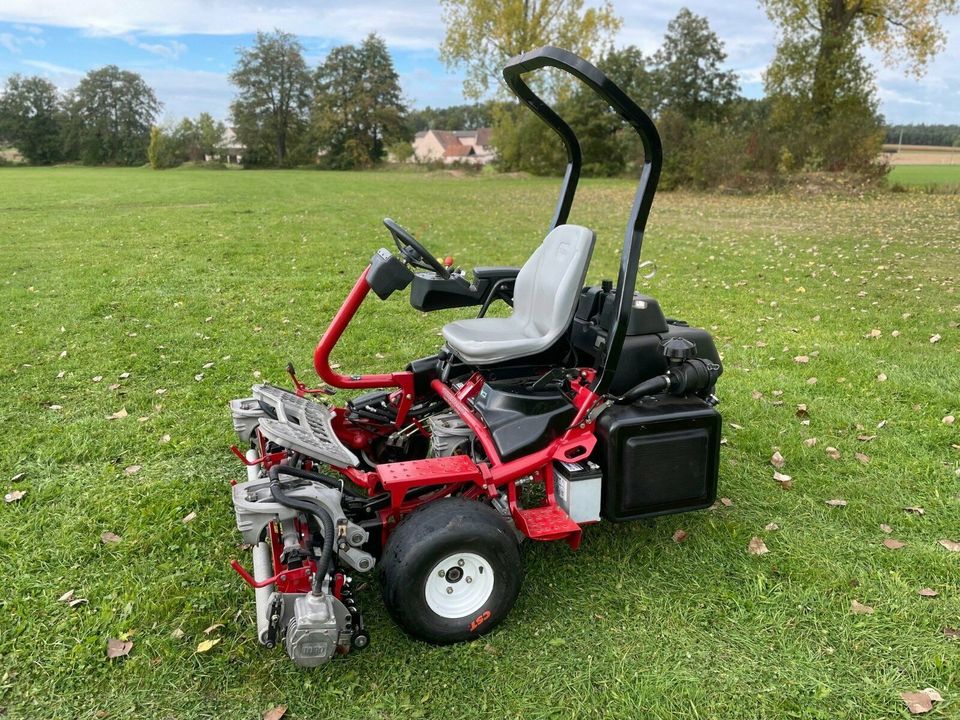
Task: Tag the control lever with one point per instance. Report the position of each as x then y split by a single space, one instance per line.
303 389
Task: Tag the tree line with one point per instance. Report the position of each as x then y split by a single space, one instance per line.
104 120
820 110
938 135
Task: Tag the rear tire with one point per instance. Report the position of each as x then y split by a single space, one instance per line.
451 571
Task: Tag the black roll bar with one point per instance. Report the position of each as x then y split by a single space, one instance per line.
627 109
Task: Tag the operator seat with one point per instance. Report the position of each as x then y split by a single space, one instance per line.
544 299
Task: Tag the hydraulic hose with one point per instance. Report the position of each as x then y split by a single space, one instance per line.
318 512
313 476
690 376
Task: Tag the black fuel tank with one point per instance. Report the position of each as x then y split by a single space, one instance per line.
658 456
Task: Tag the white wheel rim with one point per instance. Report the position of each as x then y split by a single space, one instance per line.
459 585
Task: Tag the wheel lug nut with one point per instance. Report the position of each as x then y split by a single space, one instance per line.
469 579
441 573
449 590
460 563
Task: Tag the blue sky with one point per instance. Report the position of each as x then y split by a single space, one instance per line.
185 48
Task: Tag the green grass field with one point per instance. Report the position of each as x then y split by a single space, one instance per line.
925 175
198 283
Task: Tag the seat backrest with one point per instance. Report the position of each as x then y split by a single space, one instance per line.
549 283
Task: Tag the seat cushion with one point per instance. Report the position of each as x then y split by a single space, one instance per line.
545 298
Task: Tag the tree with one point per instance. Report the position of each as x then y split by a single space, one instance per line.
690 78
839 130
194 140
30 118
109 116
454 117
904 32
358 109
484 34
273 84
163 151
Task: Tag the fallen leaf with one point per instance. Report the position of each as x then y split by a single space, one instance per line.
66 597
777 460
858 608
914 510
917 702
61 374
873 334
275 713
756 546
188 517
951 545
14 496
811 381
109 538
928 592
207 645
115 386
118 648
55 407
935 338
207 366
866 438
862 458
786 482
886 528
802 411
756 394
132 469
736 427
160 391
802 359
836 502
882 377
726 502
118 415
771 527
933 694
198 377
833 453
177 634
881 424
164 439
215 626
951 633
948 420
810 442
97 378
77 601
124 375
893 544
679 536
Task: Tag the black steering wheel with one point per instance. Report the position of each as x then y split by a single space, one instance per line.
413 252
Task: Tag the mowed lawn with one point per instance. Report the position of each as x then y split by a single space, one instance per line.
926 175
162 295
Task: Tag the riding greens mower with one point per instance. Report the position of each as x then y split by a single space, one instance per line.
585 403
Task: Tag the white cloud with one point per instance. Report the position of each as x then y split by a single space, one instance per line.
53 68
408 24
169 51
16 43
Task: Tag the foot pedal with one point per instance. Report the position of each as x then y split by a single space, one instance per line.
547 523
301 425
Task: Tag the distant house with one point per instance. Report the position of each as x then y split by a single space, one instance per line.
454 146
229 150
